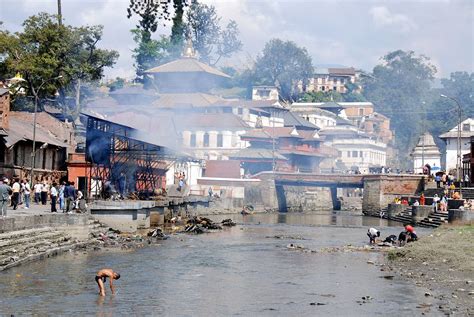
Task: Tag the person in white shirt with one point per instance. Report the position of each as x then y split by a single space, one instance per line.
436 200
38 188
26 193
16 193
44 193
373 233
53 192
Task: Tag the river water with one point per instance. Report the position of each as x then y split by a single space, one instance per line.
240 271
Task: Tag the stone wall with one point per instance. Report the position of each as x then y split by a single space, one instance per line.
304 199
41 221
380 190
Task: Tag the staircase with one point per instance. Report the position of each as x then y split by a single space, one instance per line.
21 246
468 193
430 192
25 245
434 219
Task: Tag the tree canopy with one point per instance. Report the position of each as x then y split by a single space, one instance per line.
399 87
209 39
45 50
198 22
283 64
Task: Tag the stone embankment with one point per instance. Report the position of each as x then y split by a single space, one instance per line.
29 238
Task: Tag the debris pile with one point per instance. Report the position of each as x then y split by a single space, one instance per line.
115 239
199 225
228 222
157 234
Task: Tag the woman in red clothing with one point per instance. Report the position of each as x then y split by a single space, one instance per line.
422 199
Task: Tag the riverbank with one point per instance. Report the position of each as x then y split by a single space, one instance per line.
442 262
246 270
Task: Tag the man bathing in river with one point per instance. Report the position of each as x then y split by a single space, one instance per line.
101 278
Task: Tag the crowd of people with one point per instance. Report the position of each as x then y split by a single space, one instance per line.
63 197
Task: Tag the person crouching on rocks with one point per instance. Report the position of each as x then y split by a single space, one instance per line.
101 278
373 234
409 235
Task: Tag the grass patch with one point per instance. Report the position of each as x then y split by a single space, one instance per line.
451 246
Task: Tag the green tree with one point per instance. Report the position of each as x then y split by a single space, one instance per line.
398 87
209 39
283 64
150 52
460 86
85 62
45 50
442 113
322 96
116 84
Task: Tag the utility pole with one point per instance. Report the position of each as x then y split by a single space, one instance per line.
458 158
272 117
33 153
60 16
423 139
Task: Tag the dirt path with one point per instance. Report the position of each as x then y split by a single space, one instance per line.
442 262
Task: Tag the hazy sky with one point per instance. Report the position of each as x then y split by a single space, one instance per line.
351 32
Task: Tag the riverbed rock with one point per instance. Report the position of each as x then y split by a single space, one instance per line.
228 222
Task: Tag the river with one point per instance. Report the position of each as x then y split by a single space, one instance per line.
241 271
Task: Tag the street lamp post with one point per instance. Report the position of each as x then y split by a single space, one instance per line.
33 153
458 158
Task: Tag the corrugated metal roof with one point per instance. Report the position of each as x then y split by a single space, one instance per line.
257 153
293 120
48 129
342 71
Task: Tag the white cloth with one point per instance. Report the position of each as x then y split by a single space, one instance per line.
54 192
16 187
26 189
38 187
373 232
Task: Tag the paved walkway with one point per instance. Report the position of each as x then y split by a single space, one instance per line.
33 210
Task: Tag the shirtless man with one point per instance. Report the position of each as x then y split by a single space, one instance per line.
102 276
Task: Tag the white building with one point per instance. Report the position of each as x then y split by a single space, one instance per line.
426 152
356 150
212 136
451 139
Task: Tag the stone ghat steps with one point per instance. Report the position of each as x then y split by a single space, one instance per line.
33 249
52 251
430 192
25 240
434 219
32 244
21 233
467 193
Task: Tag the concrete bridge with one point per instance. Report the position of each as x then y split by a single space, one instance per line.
378 189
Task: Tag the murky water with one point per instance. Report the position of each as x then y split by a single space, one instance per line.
242 271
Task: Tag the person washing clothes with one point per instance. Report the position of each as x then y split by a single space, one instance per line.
373 233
